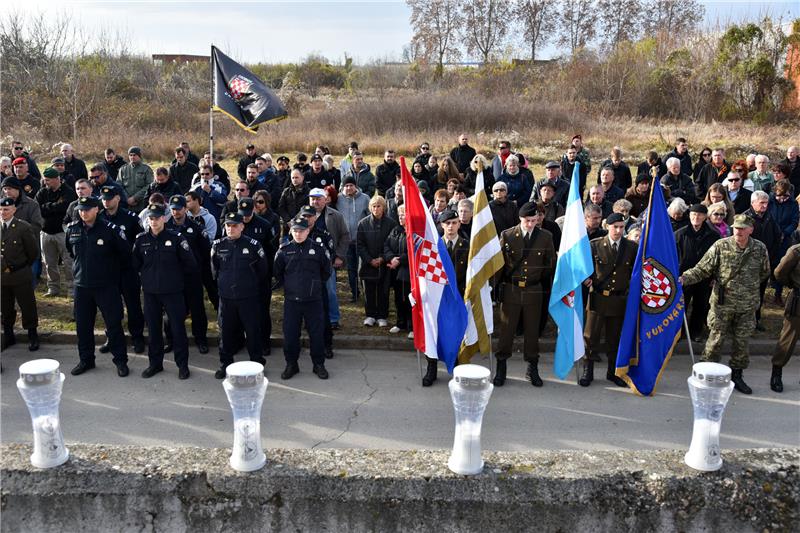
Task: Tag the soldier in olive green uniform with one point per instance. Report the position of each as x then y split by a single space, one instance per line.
613 257
530 259
739 264
18 252
788 274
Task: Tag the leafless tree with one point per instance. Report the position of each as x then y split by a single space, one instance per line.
532 14
620 21
486 26
437 26
672 17
578 23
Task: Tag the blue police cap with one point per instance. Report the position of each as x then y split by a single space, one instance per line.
156 210
87 202
233 218
177 201
107 192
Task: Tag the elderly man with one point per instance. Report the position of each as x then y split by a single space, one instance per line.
504 211
681 153
793 162
136 178
766 230
553 177
72 164
762 178
680 185
597 197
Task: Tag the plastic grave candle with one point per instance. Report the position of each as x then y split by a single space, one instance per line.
470 391
710 387
246 386
40 385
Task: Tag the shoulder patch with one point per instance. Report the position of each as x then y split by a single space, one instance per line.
142 234
185 245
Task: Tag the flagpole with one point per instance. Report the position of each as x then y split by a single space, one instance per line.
211 109
688 337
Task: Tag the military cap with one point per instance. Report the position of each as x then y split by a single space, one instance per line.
135 150
613 218
317 192
6 202
177 201
742 221
245 207
57 161
316 157
282 158
447 214
348 179
698 208
299 223
528 209
250 146
156 210
108 192
308 211
87 202
233 218
11 181
20 161
552 164
50 172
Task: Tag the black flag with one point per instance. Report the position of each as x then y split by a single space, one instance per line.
241 95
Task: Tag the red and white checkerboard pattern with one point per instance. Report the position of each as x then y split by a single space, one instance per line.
656 287
238 86
430 266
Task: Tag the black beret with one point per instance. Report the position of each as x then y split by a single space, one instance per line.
613 218
7 202
528 209
447 214
11 181
698 208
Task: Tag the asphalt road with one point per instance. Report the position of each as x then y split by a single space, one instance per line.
374 400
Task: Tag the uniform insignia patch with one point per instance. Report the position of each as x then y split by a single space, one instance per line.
168 243
100 242
260 252
246 251
311 252
189 230
185 245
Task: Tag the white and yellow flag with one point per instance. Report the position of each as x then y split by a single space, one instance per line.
485 259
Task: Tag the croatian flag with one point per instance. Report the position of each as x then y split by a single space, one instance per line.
438 311
574 265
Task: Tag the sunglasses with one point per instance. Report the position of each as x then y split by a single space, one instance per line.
706 154
733 179
18 148
504 147
717 214
260 202
423 148
240 190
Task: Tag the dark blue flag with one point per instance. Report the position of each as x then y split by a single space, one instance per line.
654 311
241 95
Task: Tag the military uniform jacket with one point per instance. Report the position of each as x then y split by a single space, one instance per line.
98 253
611 277
459 255
302 269
18 252
788 273
526 268
128 222
195 237
163 260
239 266
741 283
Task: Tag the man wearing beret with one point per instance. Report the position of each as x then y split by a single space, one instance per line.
19 252
68 179
739 264
135 177
30 185
530 259
98 249
693 242
27 209
18 150
614 257
457 246
53 200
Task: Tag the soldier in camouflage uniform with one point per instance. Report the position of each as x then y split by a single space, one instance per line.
787 273
738 264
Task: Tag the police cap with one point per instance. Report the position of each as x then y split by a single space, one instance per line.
299 223
177 201
233 218
108 192
156 210
245 207
308 211
87 202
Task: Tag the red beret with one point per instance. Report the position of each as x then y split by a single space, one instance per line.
20 161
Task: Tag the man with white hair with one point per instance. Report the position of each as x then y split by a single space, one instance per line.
762 178
739 196
766 230
680 185
73 165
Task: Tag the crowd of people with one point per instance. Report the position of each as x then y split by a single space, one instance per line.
153 245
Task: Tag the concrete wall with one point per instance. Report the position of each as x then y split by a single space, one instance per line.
105 488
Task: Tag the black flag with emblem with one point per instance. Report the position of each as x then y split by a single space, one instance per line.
241 95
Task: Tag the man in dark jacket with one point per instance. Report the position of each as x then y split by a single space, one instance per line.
72 164
18 150
739 196
568 161
53 200
182 171
248 159
292 199
681 153
58 164
693 241
793 162
386 173
714 172
462 154
767 231
99 179
622 172
316 177
679 183
30 185
162 184
113 163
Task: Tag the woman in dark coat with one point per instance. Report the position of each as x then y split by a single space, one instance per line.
471 176
371 233
786 214
395 253
705 158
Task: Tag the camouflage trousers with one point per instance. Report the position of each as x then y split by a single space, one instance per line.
739 326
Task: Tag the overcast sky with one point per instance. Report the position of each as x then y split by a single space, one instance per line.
288 31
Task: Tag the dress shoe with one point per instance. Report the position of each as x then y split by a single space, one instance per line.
9 339
290 370
167 347
588 374
151 371
500 373
82 367
616 380
123 370
220 374
138 345
431 375
33 340
776 381
533 375
320 371
202 346
328 352
738 382
104 348
183 372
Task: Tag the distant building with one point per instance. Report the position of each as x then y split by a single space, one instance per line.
179 58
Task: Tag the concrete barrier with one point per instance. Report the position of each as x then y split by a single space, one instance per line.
113 488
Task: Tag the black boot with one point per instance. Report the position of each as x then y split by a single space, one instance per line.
588 374
500 373
9 339
775 382
431 374
738 382
33 340
533 375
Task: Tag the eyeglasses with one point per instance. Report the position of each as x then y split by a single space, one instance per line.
733 179
717 214
260 202
18 148
238 189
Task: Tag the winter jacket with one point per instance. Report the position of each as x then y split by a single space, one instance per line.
519 186
371 234
462 157
365 180
386 175
692 245
183 175
353 209
685 159
395 246
136 179
680 186
622 173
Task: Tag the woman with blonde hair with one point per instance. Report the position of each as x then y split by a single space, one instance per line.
717 215
471 175
717 194
371 234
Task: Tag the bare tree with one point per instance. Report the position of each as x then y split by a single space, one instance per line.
672 17
532 14
620 21
578 20
437 25
486 26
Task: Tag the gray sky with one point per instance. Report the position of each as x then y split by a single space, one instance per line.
288 31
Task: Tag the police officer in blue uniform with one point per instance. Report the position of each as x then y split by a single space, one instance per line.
98 248
193 286
239 266
164 259
129 284
323 238
302 266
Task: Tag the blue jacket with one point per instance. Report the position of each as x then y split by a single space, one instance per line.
302 269
519 187
239 266
98 253
164 261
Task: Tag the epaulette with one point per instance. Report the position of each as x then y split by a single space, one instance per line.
73 223
217 241
253 241
142 234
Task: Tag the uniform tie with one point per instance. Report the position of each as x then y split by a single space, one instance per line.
615 248
527 240
450 246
